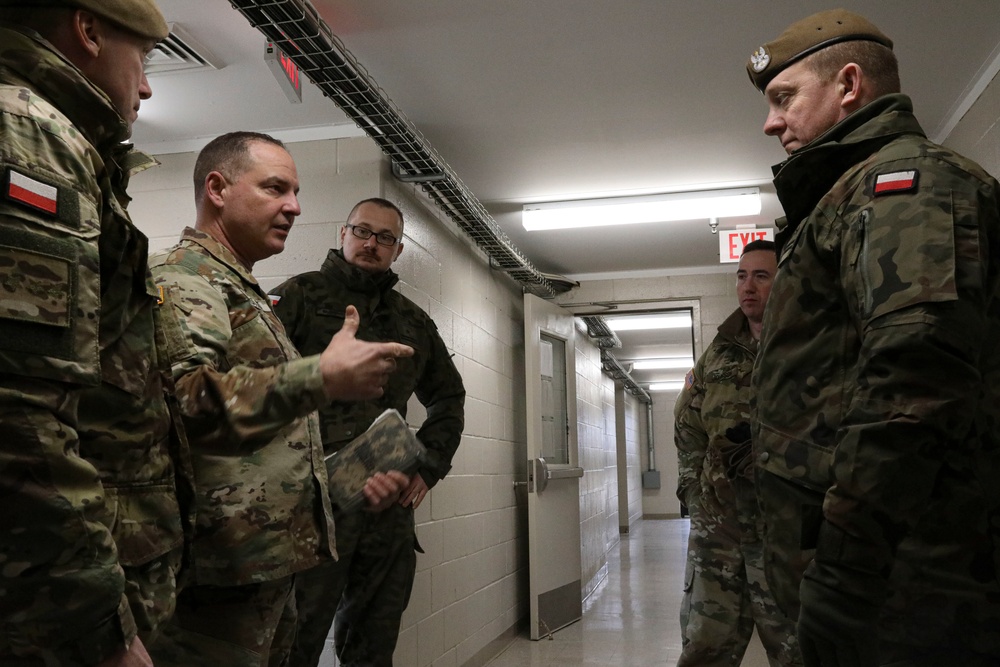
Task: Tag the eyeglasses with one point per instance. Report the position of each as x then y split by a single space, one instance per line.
363 233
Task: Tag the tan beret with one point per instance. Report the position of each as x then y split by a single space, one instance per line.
142 17
808 36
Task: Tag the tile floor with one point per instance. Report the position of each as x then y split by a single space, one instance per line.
631 619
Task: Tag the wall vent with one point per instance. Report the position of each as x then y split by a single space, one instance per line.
179 53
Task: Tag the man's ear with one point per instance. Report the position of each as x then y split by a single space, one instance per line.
850 87
399 251
88 32
215 189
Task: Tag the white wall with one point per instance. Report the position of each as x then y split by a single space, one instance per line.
630 426
599 485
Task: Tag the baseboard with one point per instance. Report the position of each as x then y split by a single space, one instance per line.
484 655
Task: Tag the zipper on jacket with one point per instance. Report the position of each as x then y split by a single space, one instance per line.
863 259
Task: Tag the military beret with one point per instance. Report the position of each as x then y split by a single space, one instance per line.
142 17
808 36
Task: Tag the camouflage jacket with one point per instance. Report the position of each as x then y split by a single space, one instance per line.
248 404
312 307
715 398
878 376
78 365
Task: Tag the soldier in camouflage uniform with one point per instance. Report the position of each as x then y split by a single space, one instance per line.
374 576
91 534
725 592
877 419
248 405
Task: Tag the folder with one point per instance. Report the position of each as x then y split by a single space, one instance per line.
388 444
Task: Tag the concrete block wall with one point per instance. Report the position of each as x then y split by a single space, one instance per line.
630 424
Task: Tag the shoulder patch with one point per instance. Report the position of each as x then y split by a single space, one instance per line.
895 182
274 299
689 379
31 192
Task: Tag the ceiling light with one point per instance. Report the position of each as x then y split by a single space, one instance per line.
666 386
648 208
660 364
677 320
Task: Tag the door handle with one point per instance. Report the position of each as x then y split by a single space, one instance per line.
539 474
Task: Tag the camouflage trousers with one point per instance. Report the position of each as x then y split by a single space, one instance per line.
151 589
235 626
725 591
363 594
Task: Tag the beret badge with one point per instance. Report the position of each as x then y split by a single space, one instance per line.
760 59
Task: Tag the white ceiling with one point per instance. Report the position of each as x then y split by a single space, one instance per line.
541 100
537 100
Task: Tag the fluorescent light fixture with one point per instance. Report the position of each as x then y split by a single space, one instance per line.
678 320
661 364
666 386
647 208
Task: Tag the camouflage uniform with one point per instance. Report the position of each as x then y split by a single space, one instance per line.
248 404
878 386
85 468
725 593
377 559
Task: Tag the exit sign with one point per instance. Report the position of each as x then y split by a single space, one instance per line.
285 71
731 241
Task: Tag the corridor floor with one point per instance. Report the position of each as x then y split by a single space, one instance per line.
631 619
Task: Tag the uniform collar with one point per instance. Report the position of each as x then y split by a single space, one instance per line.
355 278
811 172
220 253
736 329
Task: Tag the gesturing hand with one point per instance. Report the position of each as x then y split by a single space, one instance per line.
354 369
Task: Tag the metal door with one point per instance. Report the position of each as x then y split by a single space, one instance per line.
553 467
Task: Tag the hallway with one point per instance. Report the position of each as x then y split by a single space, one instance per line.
631 619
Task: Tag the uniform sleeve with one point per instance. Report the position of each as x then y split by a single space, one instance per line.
690 436
442 392
59 572
231 407
921 291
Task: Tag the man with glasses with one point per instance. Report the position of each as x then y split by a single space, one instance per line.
373 577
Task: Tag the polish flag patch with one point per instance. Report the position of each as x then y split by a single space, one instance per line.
31 192
897 181
274 299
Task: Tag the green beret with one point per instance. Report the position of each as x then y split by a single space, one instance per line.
142 17
807 36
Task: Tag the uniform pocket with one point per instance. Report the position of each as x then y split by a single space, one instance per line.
146 522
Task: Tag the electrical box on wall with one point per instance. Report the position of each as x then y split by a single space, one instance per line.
651 479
